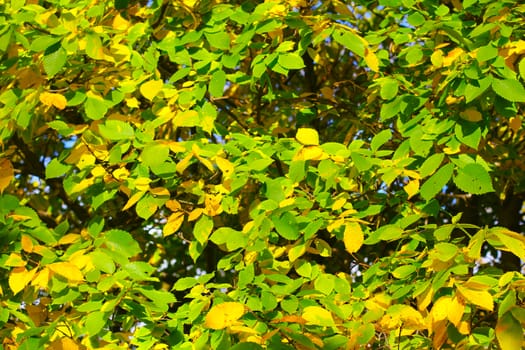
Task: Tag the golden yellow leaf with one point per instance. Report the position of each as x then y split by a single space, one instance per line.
63 343
452 56
371 60
183 164
195 214
121 174
159 192
338 204
173 205
481 298
7 173
441 308
175 221
142 183
353 237
412 188
133 200
119 23
457 308
515 123
27 243
69 239
440 333
471 114
224 315
68 270
19 278
212 204
41 279
151 88
317 316
310 153
307 136
224 165
53 99
132 102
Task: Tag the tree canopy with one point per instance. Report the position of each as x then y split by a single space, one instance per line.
261 175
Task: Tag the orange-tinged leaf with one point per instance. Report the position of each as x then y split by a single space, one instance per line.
151 88
7 173
509 332
440 334
224 315
481 298
64 343
68 270
19 278
27 243
195 214
159 192
471 114
290 319
353 237
307 136
53 99
173 205
515 123
316 315
371 60
175 221
452 56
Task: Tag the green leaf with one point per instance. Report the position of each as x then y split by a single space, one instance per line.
184 283
203 228
121 243
154 154
404 271
95 321
510 89
102 261
115 129
380 139
56 169
351 41
229 238
246 346
146 207
286 226
473 178
431 164
95 108
416 19
217 82
389 89
220 40
291 61
54 59
436 182
509 332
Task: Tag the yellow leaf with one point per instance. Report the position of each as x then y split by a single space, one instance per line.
119 23
224 315
67 270
15 260
371 60
412 188
307 136
133 200
41 280
19 278
6 173
437 58
224 165
452 56
310 153
63 343
175 221
142 183
509 332
151 88
338 204
457 308
27 243
481 298
132 102
183 164
317 316
121 174
195 214
173 205
353 237
187 118
441 308
69 239
515 123
471 114
53 99
212 204
159 192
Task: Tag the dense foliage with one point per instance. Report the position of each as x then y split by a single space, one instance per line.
250 175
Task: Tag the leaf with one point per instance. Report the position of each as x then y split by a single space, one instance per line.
411 188
471 114
317 316
515 123
184 283
286 226
65 269
224 315
154 154
19 278
7 173
121 242
473 178
174 222
380 139
307 136
290 61
481 298
55 57
217 82
63 343
389 89
371 60
115 130
53 99
509 332
95 106
151 88
353 237
509 89
229 237
434 184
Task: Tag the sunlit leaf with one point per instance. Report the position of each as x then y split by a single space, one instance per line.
353 237
6 173
53 99
318 316
307 136
224 315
